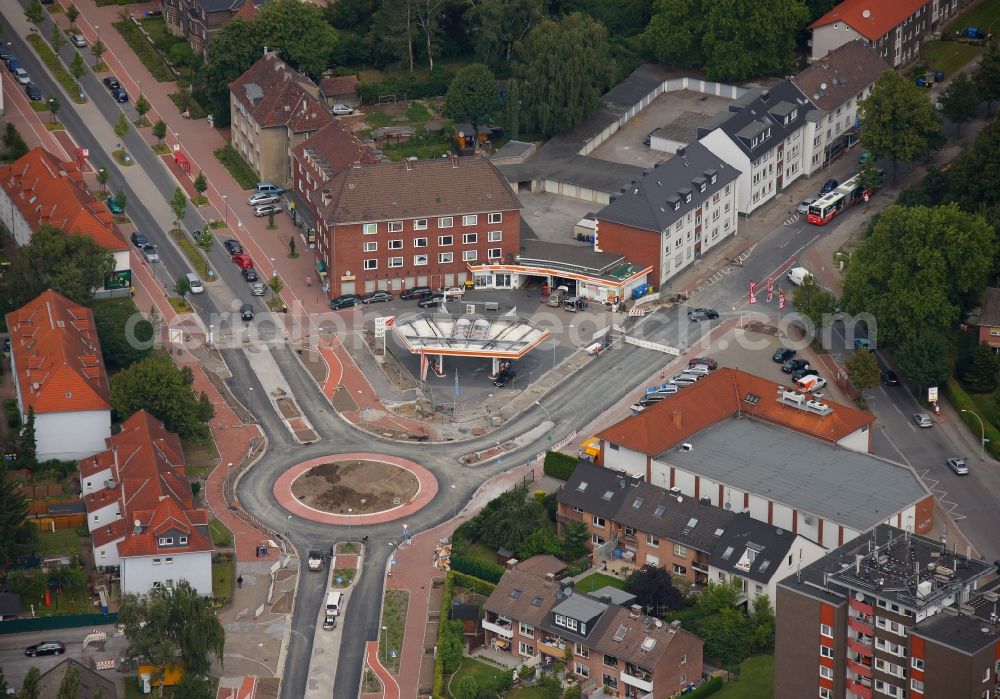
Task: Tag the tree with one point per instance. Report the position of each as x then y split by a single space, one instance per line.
563 67
270 219
980 372
676 31
154 384
194 686
14 145
813 301
70 685
541 541
72 14
206 240
960 100
575 538
77 67
122 126
126 337
472 95
17 535
862 369
275 284
497 25
167 627
182 286
428 14
654 590
30 689
72 265
98 49
201 184
898 121
34 13
53 107
142 106
925 359
120 200
27 449
291 248
870 175
512 521
160 131
987 75
3 683
57 38
178 204
512 110
470 687
392 32
102 178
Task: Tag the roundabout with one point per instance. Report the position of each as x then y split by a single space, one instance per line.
355 488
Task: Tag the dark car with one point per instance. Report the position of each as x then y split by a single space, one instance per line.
111 83
246 311
120 95
138 239
376 297
504 378
250 274
699 314
4 52
782 355
417 292
889 378
704 361
34 94
233 246
345 301
432 300
45 648
828 186
799 373
793 365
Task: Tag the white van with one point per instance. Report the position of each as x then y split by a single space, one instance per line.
334 601
194 283
798 275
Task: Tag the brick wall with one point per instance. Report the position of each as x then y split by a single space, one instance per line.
639 247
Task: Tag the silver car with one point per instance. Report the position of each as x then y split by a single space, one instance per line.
262 198
923 420
150 253
265 209
342 110
958 465
78 41
257 288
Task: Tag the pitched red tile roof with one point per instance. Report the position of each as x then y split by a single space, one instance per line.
340 85
48 190
872 19
332 149
167 516
841 74
95 464
720 395
103 536
57 356
275 95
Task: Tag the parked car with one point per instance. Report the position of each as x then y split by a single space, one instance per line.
78 41
194 283
266 209
21 75
345 301
111 83
138 239
376 297
958 465
782 355
257 288
417 292
923 420
150 253
704 361
113 206
12 63
504 378
828 186
793 365
315 560
4 52
683 380
342 110
865 157
432 300
246 311
653 398
34 94
261 199
699 314
45 648
649 137
250 274
804 205
242 260
120 95
889 378
862 343
233 246
697 369
268 188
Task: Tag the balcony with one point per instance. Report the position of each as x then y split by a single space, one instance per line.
638 677
570 516
500 626
857 606
859 668
863 649
700 566
859 689
861 626
555 647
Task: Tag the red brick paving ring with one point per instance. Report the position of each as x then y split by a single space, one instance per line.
427 487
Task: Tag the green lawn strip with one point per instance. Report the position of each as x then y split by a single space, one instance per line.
394 620
378 119
756 680
481 671
238 167
948 56
417 112
348 547
222 578
67 604
58 542
191 252
982 17
596 581
422 146
150 57
51 60
200 455
221 536
342 577
528 693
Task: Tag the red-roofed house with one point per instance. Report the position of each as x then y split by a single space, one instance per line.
140 510
39 188
333 149
895 29
342 89
59 372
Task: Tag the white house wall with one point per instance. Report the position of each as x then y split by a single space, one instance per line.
107 555
71 436
720 144
104 515
95 482
632 462
11 217
857 440
140 572
829 37
123 260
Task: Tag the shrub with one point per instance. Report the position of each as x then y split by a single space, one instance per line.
559 465
961 401
478 586
12 413
463 563
438 685
707 689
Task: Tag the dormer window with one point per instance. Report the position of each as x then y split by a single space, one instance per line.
687 197
166 541
703 187
677 206
182 540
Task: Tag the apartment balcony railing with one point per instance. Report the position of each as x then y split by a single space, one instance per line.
861 626
865 650
860 668
500 626
859 606
859 689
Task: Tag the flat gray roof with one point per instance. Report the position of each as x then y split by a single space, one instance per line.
837 484
575 258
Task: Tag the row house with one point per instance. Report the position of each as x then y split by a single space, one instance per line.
199 21
633 520
423 222
40 189
988 320
532 615
59 376
890 614
748 444
835 86
761 137
673 214
141 512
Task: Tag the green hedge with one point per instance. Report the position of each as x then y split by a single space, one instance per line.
484 570
12 413
962 401
410 87
707 689
559 465
482 587
438 687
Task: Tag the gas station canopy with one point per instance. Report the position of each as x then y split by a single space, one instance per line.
505 337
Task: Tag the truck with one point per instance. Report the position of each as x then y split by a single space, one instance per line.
315 560
557 296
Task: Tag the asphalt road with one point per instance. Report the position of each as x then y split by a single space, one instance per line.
16 664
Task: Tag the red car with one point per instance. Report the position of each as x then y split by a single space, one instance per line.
704 361
242 260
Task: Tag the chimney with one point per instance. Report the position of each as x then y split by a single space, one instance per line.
634 611
765 95
511 563
606 599
677 419
549 579
454 161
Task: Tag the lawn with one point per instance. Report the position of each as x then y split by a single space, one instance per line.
982 16
482 552
480 670
238 167
199 455
145 51
191 252
948 56
394 619
596 581
58 542
221 536
222 578
756 680
527 693
421 146
342 577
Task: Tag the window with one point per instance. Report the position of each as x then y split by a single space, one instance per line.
599 540
445 240
986 675
470 238
494 236
446 222
371 247
581 670
758 590
578 509
916 685
395 262
611 681
826 651
371 264
599 521
495 218
420 260
156 561
395 226
825 630
679 570
104 554
610 661
420 242
680 551
526 629
395 244
581 651
826 672
825 693
494 253
470 220
630 531
684 659
168 560
469 255
166 541
371 228
526 650
420 224
445 257
653 541
917 663
183 540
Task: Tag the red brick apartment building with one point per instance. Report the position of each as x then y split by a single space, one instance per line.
416 223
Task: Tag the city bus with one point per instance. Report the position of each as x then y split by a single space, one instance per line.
826 208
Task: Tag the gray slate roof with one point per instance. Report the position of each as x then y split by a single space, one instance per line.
771 543
657 200
578 257
219 5
757 111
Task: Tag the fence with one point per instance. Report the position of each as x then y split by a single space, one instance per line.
47 623
59 522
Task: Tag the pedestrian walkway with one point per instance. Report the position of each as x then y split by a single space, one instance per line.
390 688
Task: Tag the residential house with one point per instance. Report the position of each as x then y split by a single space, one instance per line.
10 605
141 512
835 85
39 188
199 21
59 374
422 222
761 137
91 684
532 615
273 109
341 89
896 30
748 444
890 614
674 214
989 319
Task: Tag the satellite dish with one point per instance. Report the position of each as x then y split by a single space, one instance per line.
822 86
859 596
680 499
867 14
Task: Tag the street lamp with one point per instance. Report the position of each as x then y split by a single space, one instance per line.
982 434
225 492
547 413
385 653
226 200
349 511
454 503
259 646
